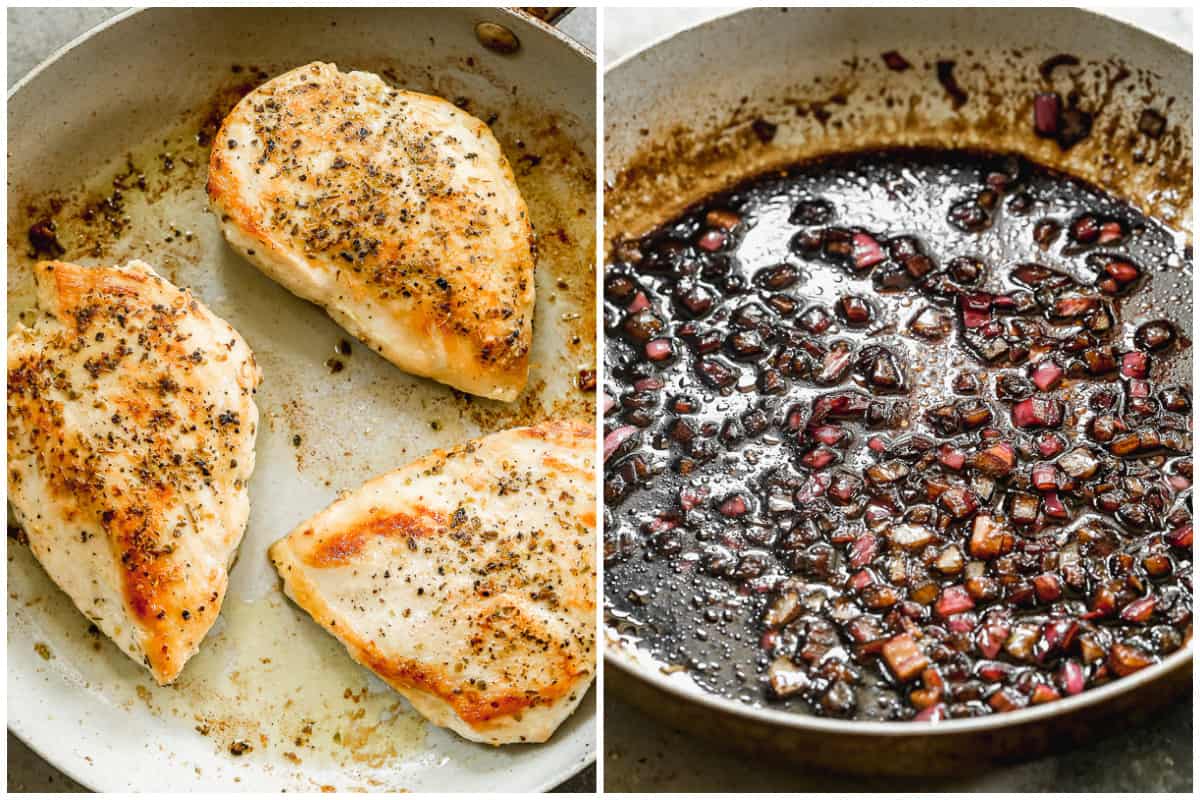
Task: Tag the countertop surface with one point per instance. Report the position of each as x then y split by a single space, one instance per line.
642 755
33 35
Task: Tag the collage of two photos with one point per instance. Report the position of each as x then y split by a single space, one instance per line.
599 399
301 400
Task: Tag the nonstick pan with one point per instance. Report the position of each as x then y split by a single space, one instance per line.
109 140
764 88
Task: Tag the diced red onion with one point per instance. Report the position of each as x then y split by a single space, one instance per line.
1046 375
1139 610
1121 271
877 514
648 385
794 419
818 458
617 438
658 349
910 537
904 658
834 365
841 405
711 240
734 506
1181 536
1049 445
1104 604
1135 365
1139 388
994 671
976 309
951 457
1046 108
1036 412
1047 587
1032 274
1057 634
996 461
1044 477
861 580
1004 302
1007 699
1110 232
827 434
867 251
1085 229
1126 659
990 639
959 501
1044 693
661 523
934 713
954 600
1053 505
863 550
813 488
989 538
1071 677
689 498
1074 305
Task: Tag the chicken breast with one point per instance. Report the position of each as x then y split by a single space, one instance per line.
131 423
465 580
394 211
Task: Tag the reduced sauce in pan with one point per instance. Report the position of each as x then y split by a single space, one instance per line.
901 435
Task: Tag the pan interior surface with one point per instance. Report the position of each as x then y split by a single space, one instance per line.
110 142
784 86
817 78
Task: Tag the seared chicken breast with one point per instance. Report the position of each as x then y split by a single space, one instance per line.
394 211
131 422
465 580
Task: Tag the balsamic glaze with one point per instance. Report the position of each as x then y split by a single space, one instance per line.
901 434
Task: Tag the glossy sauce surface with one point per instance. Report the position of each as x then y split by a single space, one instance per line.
901 435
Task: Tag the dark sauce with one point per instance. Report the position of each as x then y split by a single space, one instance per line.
901 435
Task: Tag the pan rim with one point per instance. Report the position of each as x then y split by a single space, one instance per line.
653 44
574 44
615 655
23 728
77 774
57 55
577 47
617 651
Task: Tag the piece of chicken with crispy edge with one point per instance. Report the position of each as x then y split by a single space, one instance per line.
394 211
465 580
131 424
